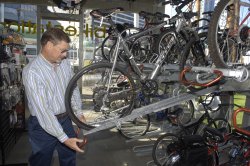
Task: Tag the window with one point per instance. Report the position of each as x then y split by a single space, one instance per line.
31 51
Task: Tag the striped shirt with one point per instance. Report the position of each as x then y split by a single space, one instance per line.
45 85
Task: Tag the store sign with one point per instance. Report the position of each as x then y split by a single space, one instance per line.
29 28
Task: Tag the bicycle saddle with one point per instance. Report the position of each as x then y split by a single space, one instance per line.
161 15
208 13
145 14
98 13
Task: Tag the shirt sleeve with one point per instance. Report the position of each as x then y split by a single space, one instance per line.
36 93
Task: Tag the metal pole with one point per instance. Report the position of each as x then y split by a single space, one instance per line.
2 13
38 28
80 50
246 115
136 20
198 9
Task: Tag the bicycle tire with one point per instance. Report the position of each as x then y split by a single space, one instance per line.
188 113
105 54
174 55
159 152
224 46
135 128
90 106
143 48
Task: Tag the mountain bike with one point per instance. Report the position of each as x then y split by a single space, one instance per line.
109 89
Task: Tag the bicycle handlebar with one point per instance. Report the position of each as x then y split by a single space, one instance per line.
187 83
98 13
182 3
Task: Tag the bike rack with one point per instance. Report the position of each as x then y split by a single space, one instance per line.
227 85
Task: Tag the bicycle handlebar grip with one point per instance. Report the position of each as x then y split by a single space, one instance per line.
187 83
235 125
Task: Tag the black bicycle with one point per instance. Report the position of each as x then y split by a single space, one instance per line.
160 154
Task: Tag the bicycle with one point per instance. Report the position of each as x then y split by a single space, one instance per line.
160 154
192 150
114 97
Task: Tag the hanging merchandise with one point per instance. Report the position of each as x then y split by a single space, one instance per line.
12 112
20 110
4 75
4 52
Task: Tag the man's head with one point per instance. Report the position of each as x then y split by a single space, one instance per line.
55 44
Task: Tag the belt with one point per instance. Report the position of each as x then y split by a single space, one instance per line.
62 115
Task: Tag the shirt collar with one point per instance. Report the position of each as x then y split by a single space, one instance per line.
49 65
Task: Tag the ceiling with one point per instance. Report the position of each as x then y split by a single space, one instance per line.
133 6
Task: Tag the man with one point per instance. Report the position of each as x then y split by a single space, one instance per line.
45 80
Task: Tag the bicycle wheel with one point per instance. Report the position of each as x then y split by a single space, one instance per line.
186 114
162 152
135 128
143 48
170 44
106 46
126 36
228 39
98 104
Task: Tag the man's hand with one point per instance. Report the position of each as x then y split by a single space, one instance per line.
78 131
82 118
72 144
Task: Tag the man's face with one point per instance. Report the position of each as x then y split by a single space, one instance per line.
57 52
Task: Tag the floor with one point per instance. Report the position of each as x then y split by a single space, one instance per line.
104 148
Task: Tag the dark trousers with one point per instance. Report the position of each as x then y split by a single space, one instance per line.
44 144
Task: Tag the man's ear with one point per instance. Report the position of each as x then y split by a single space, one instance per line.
49 44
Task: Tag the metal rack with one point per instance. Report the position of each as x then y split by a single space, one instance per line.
229 84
